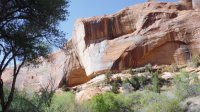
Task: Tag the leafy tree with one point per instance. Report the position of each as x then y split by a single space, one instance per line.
27 29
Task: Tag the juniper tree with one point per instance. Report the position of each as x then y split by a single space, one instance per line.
27 30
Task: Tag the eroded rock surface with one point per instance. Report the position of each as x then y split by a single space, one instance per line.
61 68
153 32
34 77
156 33
196 4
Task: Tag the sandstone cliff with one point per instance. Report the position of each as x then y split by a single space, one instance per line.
156 33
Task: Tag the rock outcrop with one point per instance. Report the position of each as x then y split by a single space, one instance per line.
34 77
74 72
196 4
154 32
61 68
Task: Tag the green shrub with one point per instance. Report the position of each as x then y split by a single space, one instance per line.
155 83
170 68
148 68
23 103
115 87
110 102
43 102
64 102
144 101
130 71
160 103
134 81
138 82
116 84
183 88
195 61
108 76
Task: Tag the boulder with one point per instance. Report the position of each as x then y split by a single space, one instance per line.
126 88
87 94
167 75
191 104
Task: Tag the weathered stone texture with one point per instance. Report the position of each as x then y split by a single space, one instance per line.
137 35
153 32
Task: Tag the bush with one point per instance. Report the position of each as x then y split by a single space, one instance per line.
154 102
23 103
183 88
144 101
130 71
137 81
170 68
148 68
115 87
108 76
64 102
44 102
155 83
110 102
195 61
116 83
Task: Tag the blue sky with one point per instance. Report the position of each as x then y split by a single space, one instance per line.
88 8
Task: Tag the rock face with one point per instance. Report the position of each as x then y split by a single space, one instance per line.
196 4
187 3
153 32
32 78
61 68
74 72
156 33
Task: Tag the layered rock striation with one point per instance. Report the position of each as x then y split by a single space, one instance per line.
154 32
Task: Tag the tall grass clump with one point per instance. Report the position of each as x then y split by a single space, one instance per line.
186 85
155 83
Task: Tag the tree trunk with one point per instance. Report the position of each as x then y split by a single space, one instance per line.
1 94
5 109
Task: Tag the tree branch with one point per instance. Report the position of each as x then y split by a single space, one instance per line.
15 73
3 61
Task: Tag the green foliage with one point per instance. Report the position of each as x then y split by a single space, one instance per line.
155 83
110 102
23 102
183 87
108 76
130 71
64 102
138 101
154 102
195 61
148 68
116 84
134 81
28 29
137 81
144 101
170 68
